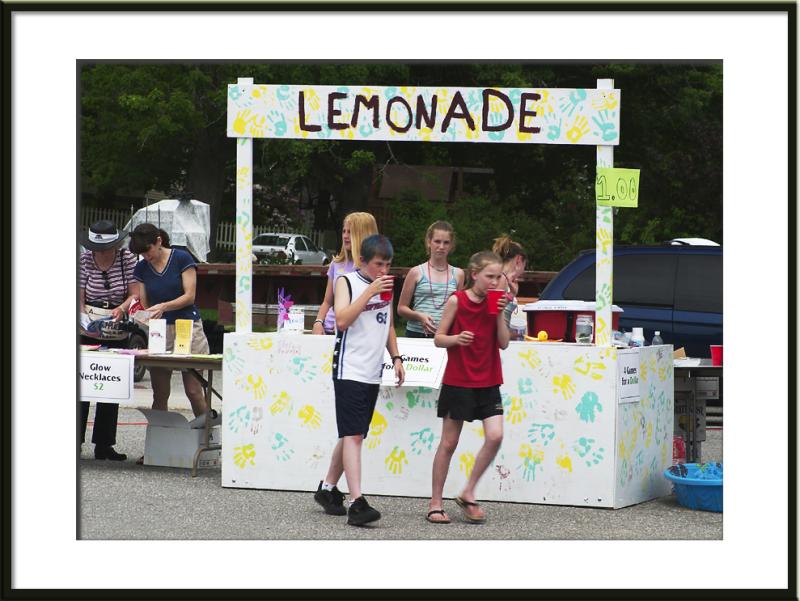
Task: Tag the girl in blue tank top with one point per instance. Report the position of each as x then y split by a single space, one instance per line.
428 285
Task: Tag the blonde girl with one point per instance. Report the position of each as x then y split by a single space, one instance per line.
355 229
430 284
473 337
515 260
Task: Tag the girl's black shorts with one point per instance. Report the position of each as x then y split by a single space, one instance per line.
468 404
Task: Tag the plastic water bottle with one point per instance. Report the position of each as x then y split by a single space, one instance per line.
657 339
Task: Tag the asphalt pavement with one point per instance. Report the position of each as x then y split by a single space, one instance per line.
122 500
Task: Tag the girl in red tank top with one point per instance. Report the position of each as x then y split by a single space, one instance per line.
473 332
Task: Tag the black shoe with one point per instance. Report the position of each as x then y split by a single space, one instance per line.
332 501
101 452
361 513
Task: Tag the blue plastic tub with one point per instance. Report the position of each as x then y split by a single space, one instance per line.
697 485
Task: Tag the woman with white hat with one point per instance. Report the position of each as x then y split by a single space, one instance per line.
106 281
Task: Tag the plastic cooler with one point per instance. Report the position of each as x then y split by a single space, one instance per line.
558 318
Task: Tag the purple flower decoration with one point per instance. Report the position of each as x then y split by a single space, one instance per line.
285 302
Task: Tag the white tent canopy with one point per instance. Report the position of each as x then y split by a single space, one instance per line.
186 222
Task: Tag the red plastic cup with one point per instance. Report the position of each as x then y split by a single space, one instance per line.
494 295
387 294
716 355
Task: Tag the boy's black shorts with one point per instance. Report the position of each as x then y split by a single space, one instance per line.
467 404
355 403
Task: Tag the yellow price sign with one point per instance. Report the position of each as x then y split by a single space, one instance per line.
617 187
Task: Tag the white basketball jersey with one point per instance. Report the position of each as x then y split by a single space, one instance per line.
358 353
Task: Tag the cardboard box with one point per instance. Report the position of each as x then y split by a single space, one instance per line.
171 442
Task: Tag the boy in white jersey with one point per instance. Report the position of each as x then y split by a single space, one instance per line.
364 327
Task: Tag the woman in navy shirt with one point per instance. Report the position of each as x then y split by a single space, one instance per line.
169 280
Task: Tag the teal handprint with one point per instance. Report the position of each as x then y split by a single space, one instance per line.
324 132
607 128
586 407
541 433
299 368
285 98
244 283
366 129
232 361
239 419
584 449
553 122
390 92
573 101
422 440
278 121
525 386
234 93
473 101
414 398
496 119
603 297
282 451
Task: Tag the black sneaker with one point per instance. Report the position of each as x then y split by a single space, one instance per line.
361 513
332 501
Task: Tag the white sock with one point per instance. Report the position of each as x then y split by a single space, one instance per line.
326 486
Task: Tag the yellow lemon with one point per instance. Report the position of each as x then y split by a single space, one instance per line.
542 335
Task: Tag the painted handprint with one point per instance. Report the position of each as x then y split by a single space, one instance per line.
377 427
422 441
553 122
603 335
241 121
244 283
594 369
541 433
243 179
564 462
280 403
584 447
298 368
603 297
607 129
415 397
530 358
605 101
564 385
278 122
604 240
585 409
580 127
280 444
531 458
244 454
395 460
327 363
255 425
572 102
285 98
310 417
515 411
254 384
232 361
525 386
497 118
239 419
466 461
263 343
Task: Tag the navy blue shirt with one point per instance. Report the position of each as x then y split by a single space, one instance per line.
167 285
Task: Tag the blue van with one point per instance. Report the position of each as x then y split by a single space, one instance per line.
675 289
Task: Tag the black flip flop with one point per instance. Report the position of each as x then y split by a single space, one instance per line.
464 504
434 512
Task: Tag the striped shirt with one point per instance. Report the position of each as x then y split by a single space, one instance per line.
119 277
430 298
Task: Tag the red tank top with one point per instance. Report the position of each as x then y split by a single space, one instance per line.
476 365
